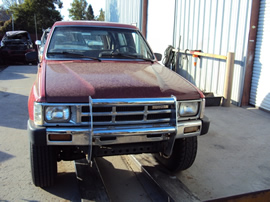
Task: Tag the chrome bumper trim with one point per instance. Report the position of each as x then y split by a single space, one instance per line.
118 135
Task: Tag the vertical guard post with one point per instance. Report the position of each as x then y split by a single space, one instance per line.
228 79
90 129
168 150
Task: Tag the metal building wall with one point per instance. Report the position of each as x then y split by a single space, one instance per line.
217 27
124 11
260 90
213 26
160 23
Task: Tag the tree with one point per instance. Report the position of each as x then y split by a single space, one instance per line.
7 25
9 3
5 21
78 10
101 16
44 12
4 14
90 13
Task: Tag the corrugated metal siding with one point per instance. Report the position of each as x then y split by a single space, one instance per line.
124 11
217 27
260 85
213 26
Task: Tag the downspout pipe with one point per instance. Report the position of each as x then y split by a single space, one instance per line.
144 17
255 11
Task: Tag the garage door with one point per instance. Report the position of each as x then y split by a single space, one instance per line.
260 85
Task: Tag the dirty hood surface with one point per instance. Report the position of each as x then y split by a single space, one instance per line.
76 81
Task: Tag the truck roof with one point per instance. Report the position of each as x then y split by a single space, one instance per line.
94 24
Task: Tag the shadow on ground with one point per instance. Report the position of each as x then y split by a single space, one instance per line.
65 187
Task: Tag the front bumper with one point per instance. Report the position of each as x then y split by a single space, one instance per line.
15 55
120 135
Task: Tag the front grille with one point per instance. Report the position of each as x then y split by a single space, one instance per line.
143 112
126 112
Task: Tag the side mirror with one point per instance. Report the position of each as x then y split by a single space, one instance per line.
38 42
31 56
158 56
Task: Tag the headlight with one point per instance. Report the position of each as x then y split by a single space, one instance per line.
188 109
57 114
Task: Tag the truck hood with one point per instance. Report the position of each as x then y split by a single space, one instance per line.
76 81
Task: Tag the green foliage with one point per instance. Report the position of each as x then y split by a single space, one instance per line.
90 13
101 16
78 10
25 14
9 3
7 25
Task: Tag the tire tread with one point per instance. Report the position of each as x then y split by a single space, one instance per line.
183 155
43 165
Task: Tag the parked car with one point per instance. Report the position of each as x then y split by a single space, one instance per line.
110 98
41 43
14 46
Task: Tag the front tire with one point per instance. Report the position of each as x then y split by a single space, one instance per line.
183 155
43 165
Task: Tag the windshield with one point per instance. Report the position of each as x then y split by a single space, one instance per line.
92 42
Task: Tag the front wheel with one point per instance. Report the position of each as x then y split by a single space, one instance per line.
43 165
183 155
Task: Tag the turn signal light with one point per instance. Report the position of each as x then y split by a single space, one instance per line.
192 129
60 137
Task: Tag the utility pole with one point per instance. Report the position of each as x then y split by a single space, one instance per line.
12 22
36 26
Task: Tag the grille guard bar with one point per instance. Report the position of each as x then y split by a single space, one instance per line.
141 101
91 129
97 135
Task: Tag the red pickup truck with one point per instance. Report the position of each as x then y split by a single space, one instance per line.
100 91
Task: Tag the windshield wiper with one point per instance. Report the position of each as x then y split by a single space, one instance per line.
145 59
136 57
73 54
128 56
